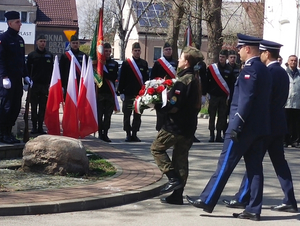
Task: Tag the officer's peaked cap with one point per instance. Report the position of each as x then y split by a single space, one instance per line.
247 40
269 45
12 15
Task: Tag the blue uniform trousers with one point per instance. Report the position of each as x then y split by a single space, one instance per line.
251 147
274 146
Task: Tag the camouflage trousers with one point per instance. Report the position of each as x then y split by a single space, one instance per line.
181 146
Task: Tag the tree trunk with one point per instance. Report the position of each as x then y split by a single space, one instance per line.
212 14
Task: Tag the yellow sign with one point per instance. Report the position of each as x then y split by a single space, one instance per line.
69 33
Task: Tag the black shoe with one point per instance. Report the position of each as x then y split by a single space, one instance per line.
285 208
14 139
200 204
34 131
219 139
247 215
128 139
7 140
172 200
233 204
173 184
211 139
196 140
105 138
135 139
41 131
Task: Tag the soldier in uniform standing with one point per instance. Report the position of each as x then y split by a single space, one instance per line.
274 143
40 66
165 67
107 100
249 125
232 63
12 70
179 126
65 61
220 87
134 73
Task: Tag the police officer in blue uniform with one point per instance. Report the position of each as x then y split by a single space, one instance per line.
249 124
12 70
274 143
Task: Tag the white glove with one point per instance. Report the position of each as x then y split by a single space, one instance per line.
6 83
122 97
203 100
25 87
28 81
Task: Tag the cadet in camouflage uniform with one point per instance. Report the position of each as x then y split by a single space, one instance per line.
180 123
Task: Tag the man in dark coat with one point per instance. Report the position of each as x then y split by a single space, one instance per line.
12 70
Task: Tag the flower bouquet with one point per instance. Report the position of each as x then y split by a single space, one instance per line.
153 92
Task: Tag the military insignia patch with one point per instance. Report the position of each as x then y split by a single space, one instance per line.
173 100
247 76
177 91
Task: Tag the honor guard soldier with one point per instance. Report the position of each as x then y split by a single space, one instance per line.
65 61
165 67
274 143
249 124
179 126
220 88
12 70
40 66
232 63
107 100
134 73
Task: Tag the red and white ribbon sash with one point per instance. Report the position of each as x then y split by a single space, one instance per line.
218 78
167 67
113 91
135 70
69 54
137 104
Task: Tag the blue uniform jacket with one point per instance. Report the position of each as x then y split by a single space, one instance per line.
280 92
249 112
12 60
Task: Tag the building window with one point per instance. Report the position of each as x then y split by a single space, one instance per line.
157 53
2 17
24 17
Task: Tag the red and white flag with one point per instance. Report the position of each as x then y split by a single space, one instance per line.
70 118
87 105
83 72
55 97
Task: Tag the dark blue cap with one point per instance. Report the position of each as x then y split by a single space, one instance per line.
12 15
268 45
247 40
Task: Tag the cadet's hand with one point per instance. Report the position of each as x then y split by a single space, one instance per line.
122 97
203 100
28 81
6 83
234 135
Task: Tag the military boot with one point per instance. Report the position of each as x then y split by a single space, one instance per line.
211 136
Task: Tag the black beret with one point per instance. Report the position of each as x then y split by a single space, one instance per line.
74 38
41 37
136 45
231 52
107 45
224 52
12 15
167 45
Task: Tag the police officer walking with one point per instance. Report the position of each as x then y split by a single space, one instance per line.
274 143
107 100
134 73
165 67
249 124
65 61
12 69
40 66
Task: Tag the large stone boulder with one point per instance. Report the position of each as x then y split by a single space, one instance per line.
57 155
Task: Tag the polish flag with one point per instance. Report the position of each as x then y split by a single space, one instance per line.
87 105
83 71
70 119
55 97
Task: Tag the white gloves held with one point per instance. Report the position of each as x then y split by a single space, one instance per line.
6 83
122 97
28 81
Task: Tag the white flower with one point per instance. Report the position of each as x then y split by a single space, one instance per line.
154 97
